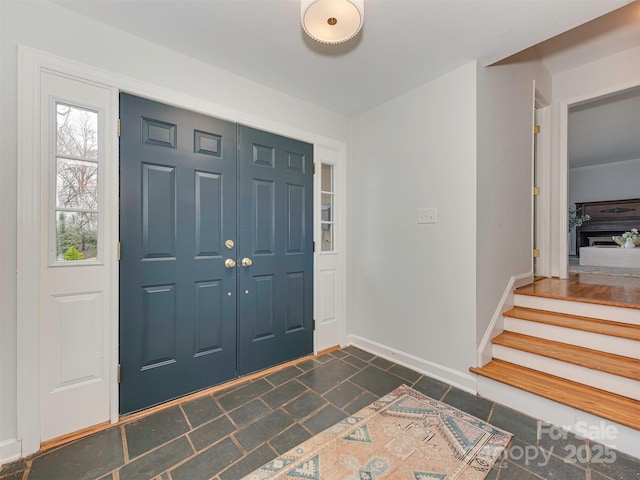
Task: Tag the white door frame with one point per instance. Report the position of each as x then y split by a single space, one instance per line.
561 262
543 161
31 63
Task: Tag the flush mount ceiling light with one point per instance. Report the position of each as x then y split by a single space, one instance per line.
332 21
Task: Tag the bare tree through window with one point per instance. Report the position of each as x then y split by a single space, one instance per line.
76 183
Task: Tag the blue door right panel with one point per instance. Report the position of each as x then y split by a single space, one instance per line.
275 221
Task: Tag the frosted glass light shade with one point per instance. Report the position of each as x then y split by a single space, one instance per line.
332 21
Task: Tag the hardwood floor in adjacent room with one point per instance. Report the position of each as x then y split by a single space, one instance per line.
615 290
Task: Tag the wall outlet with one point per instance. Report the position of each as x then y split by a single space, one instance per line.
428 215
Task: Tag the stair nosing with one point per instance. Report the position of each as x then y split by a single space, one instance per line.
589 301
632 331
591 354
586 403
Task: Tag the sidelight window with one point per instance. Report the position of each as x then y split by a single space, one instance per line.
327 218
76 183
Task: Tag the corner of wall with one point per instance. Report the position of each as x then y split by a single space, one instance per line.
496 326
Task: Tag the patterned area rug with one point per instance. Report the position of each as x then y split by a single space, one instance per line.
404 435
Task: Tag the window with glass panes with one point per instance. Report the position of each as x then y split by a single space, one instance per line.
76 195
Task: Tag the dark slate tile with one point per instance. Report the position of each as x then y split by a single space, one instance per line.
597 476
557 468
284 375
561 442
472 404
361 354
382 363
211 432
290 438
376 381
511 471
328 375
404 372
249 412
201 410
614 464
155 429
249 463
154 463
542 463
304 405
244 394
431 387
13 467
524 428
324 419
88 458
15 476
324 358
343 394
308 364
208 463
492 475
339 354
283 394
263 429
355 361
362 401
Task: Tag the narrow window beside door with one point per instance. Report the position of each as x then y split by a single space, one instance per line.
76 195
327 219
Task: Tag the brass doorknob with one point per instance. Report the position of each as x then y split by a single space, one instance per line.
247 262
229 263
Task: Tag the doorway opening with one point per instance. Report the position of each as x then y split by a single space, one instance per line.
603 156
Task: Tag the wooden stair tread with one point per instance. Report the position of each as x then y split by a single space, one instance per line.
576 322
623 410
584 357
612 290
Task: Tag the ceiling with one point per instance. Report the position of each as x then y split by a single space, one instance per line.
605 130
403 44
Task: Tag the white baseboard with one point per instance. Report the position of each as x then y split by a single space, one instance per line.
605 432
10 450
461 380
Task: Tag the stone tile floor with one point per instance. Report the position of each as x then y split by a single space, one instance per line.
228 434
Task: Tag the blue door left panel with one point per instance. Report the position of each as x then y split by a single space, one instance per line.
178 184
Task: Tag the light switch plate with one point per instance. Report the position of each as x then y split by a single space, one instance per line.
428 215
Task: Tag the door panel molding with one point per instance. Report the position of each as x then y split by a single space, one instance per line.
31 62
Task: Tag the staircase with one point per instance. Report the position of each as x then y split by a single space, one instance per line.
550 348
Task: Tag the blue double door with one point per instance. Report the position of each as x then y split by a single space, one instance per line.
216 262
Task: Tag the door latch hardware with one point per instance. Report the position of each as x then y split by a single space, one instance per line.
229 263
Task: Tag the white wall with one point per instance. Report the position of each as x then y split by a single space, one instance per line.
610 74
52 29
412 287
505 156
607 181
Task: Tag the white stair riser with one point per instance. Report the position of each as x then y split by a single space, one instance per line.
580 338
592 310
594 378
626 438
